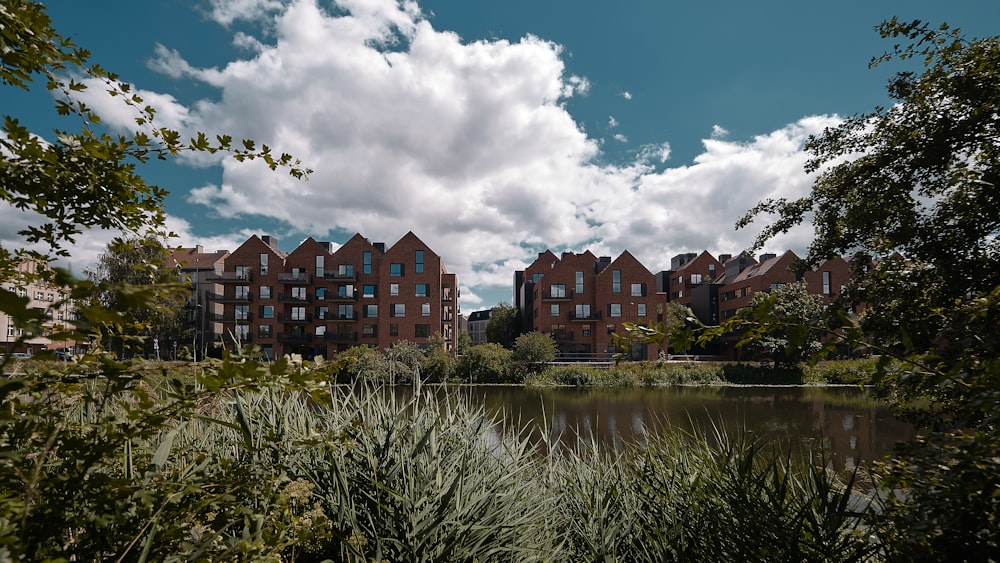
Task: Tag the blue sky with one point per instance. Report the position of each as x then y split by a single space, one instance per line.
493 130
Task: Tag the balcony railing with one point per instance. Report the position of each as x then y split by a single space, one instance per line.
288 298
221 277
283 318
348 316
338 337
229 317
295 338
295 277
223 298
557 296
562 335
584 317
336 297
340 276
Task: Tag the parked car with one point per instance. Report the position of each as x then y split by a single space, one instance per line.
19 356
63 355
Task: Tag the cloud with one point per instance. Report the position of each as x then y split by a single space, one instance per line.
620 138
612 122
627 95
719 132
468 144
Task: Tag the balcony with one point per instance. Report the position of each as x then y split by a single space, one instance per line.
337 298
562 335
229 317
231 277
340 276
287 298
223 298
559 296
592 316
295 338
283 318
338 337
349 316
295 277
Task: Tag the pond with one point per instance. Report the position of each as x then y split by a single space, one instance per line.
851 426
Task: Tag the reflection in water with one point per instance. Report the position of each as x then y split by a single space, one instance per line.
851 427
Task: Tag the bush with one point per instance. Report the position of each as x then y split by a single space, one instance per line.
486 363
533 351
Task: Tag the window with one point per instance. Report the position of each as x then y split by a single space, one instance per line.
559 332
776 285
267 312
396 270
242 312
398 310
579 283
558 291
265 292
711 271
394 329
299 293
419 268
583 311
242 272
586 330
638 290
345 291
368 291
616 281
615 310
421 331
264 331
423 289
263 264
393 289
425 309
371 311
345 312
641 309
320 331
554 310
298 313
366 262
826 283
320 293
243 292
695 278
319 266
345 271
369 330
536 277
322 312
680 279
242 332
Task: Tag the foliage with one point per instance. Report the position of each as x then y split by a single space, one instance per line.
782 326
677 331
913 190
138 265
485 363
86 179
532 352
504 325
438 365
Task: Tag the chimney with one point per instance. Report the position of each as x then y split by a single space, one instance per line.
724 257
765 257
270 241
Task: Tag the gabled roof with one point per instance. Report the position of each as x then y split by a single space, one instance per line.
764 267
195 258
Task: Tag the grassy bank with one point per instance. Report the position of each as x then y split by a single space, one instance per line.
854 372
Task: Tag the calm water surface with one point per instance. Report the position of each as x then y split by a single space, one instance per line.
851 426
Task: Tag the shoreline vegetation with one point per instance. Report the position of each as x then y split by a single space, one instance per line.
242 459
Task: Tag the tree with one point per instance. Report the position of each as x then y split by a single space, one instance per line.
533 351
156 312
783 325
86 178
504 325
912 190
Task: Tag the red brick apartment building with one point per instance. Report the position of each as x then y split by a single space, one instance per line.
319 300
582 300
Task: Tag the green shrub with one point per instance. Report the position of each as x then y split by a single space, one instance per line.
532 353
486 363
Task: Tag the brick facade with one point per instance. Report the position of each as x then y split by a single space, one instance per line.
319 300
